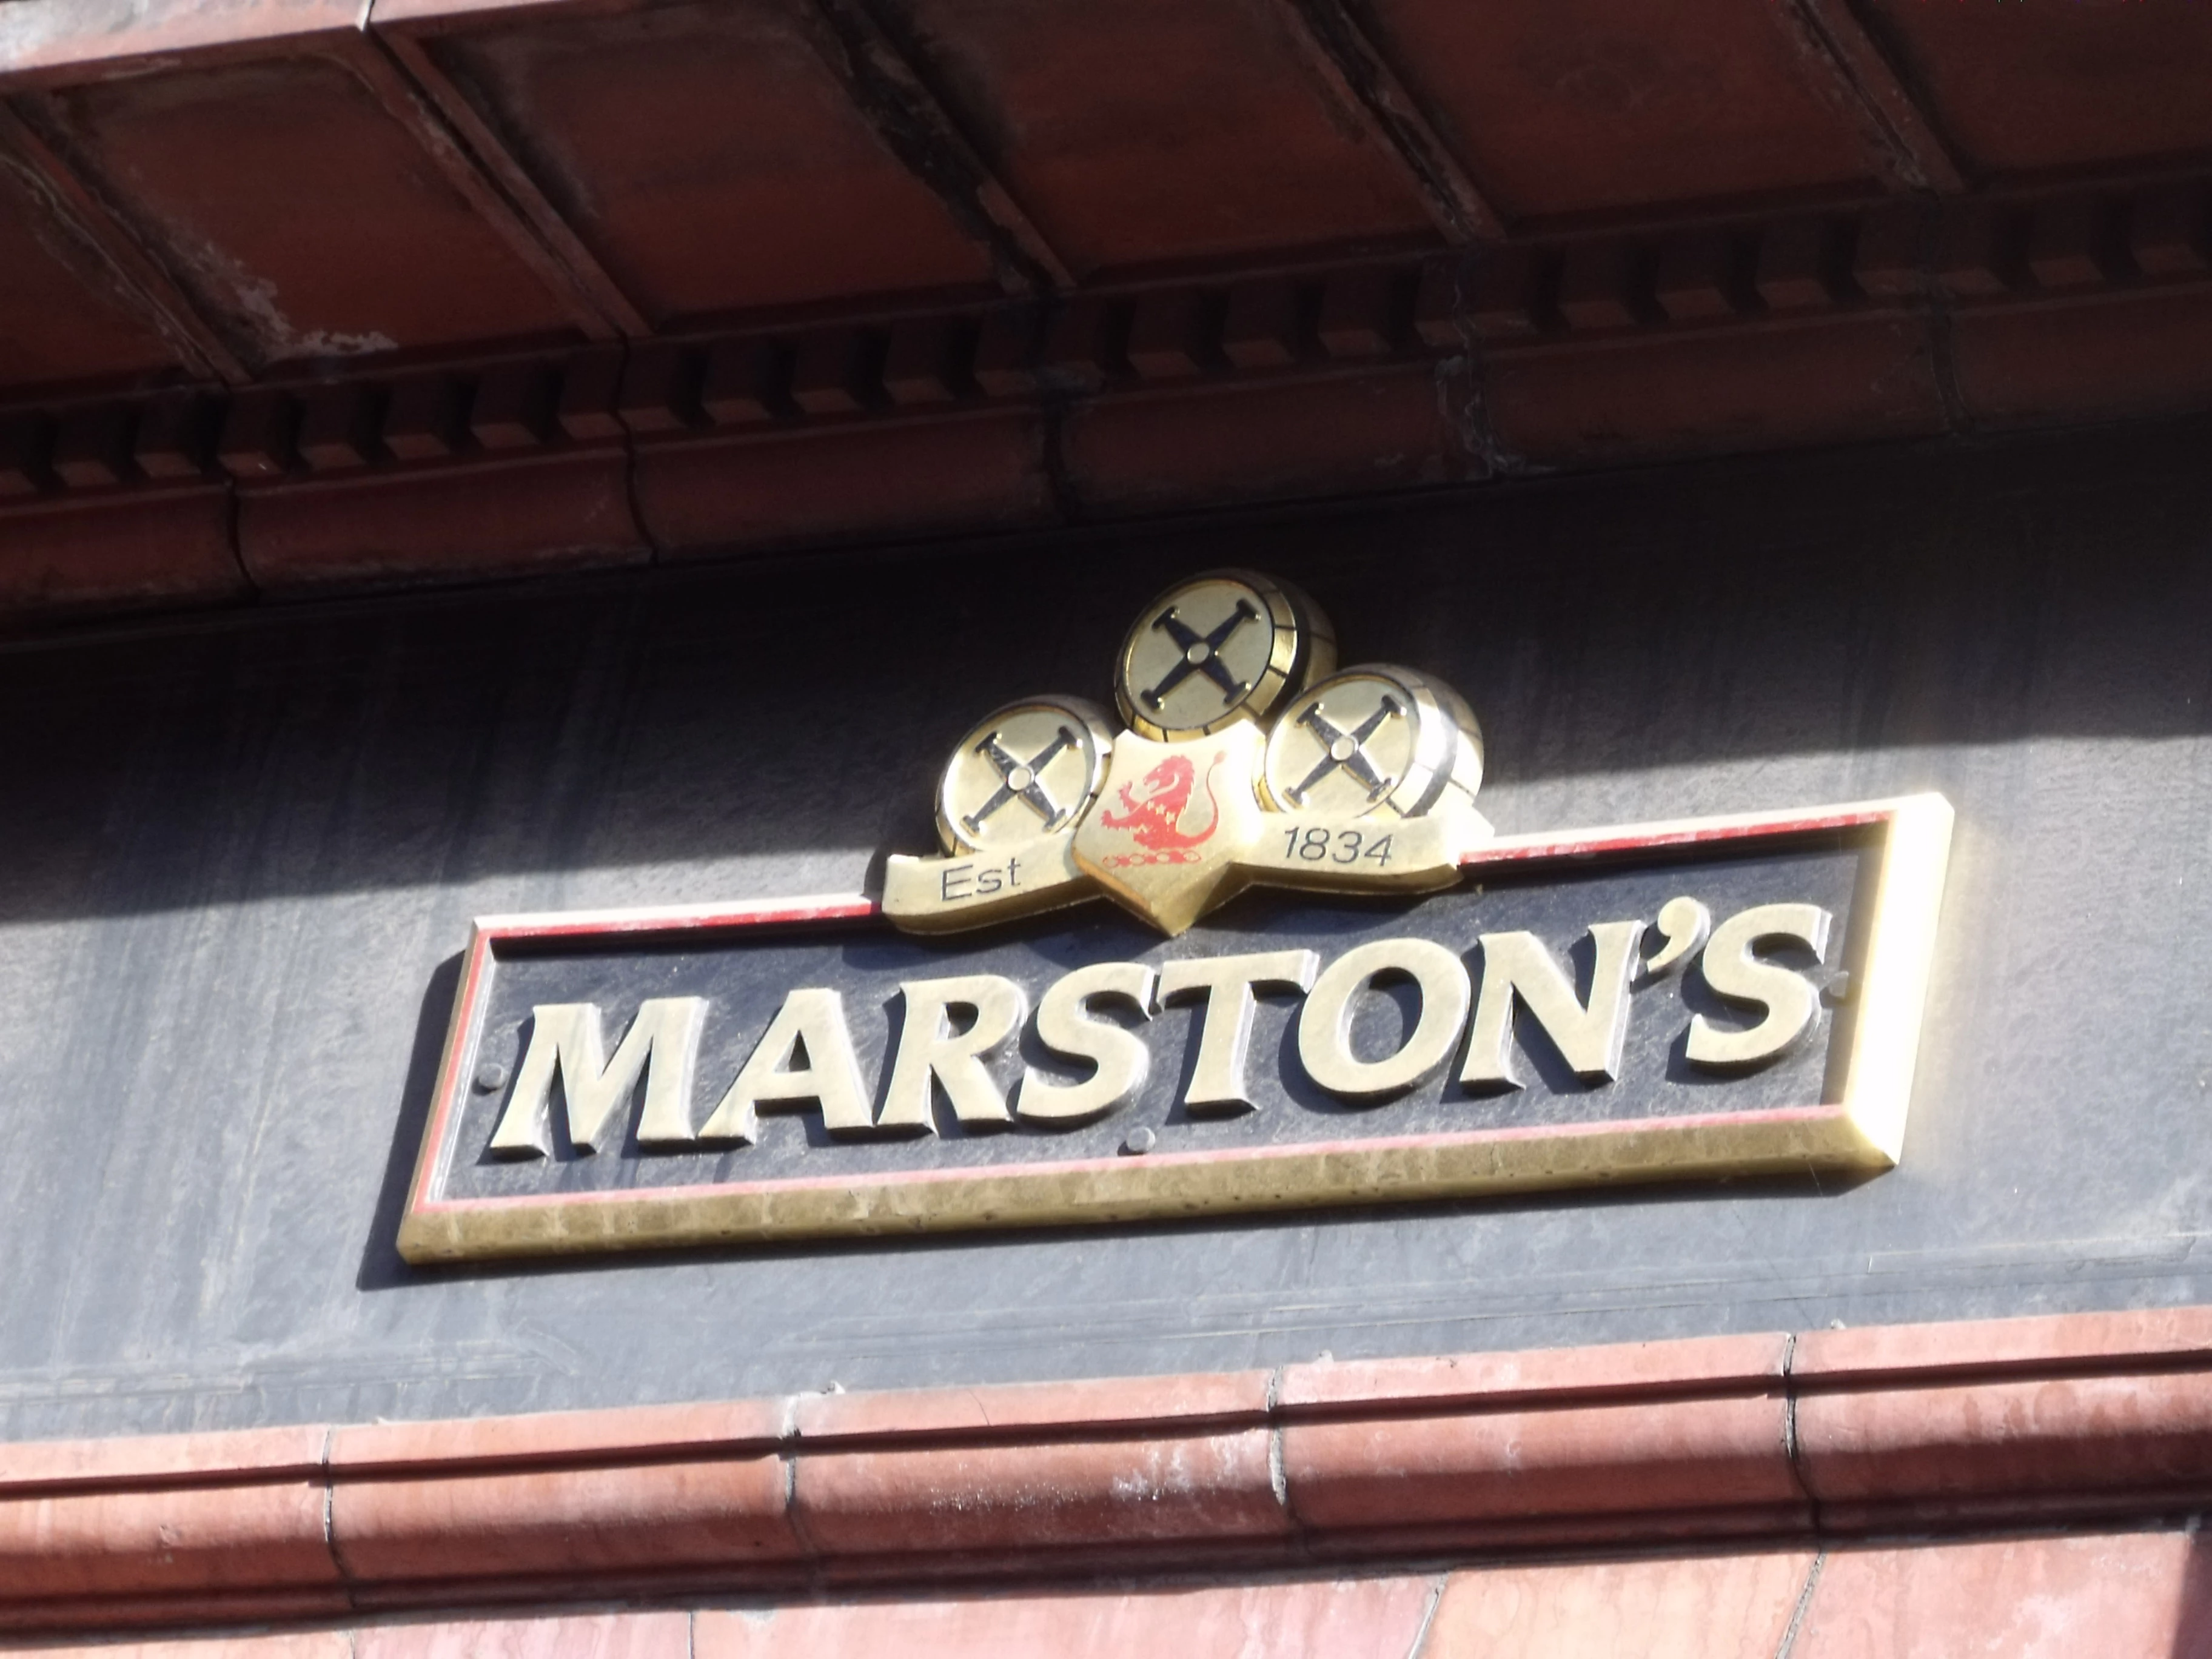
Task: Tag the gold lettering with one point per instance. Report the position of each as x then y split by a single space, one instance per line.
811 1023
566 1042
1518 968
1217 1088
1120 1058
958 1064
1788 998
1325 1022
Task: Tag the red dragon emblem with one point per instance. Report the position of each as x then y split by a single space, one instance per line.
1156 807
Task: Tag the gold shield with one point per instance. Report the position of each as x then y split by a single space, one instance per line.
1168 828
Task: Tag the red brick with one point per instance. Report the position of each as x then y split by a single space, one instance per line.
833 372
1259 328
174 434
1168 336
1355 1618
126 549
1431 1473
1040 1495
1504 296
26 449
339 427
589 382
1893 252
1355 319
1980 252
1104 1405
1798 261
301 1645
1385 429
1006 352
747 383
1599 287
980 471
2047 1446
1717 1607
1695 281
582 1636
423 418
633 1432
1436 305
1078 354
2127 1597
1996 1346
700 1512
2166 231
165 1539
921 361
163 1457
184 1611
549 510
256 440
2080 85
1490 1380
660 389
2010 1422
1826 381
513 407
92 448
2071 243
2132 353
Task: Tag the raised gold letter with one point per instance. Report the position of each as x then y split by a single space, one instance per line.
1518 966
566 1041
1325 1022
812 1021
1224 1028
958 1064
1064 1026
1790 1001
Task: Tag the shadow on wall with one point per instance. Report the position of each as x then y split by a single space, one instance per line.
1883 599
381 1262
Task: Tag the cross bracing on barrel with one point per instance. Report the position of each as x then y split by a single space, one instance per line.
1348 750
1021 780
1201 653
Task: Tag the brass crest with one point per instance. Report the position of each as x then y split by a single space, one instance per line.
1029 769
1248 760
1374 740
1164 837
1224 647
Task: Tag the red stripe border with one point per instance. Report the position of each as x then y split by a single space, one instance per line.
469 1010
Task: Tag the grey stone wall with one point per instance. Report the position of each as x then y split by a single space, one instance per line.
238 859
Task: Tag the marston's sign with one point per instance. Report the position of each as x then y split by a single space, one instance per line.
1721 997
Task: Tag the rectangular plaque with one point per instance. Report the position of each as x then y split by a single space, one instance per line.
503 1174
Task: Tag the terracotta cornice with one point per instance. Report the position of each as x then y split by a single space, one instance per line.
1902 318
1829 1435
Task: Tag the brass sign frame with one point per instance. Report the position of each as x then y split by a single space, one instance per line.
1864 1130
